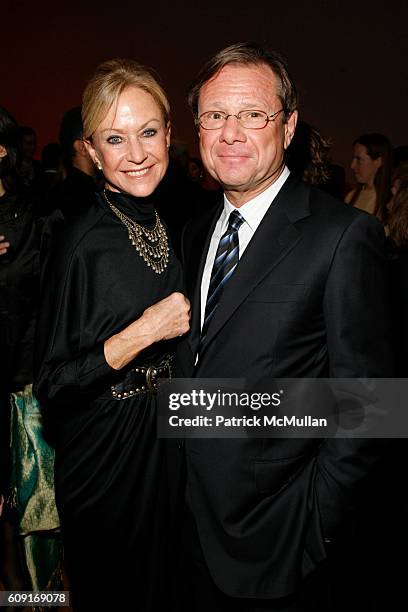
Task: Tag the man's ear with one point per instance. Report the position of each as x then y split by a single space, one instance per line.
80 147
3 151
290 127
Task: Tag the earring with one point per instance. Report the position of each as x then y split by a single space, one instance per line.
98 164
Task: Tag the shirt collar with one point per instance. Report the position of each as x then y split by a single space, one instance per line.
254 210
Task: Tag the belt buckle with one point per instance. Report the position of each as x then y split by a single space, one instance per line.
150 378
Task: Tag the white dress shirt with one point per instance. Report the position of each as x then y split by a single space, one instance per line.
252 212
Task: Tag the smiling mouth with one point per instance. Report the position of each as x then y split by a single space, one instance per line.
237 156
137 173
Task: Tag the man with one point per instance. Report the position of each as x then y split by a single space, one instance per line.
299 292
76 192
30 168
78 188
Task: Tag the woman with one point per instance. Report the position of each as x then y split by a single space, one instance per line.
32 550
110 302
371 165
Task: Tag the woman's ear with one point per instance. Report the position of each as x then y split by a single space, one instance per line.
92 153
3 151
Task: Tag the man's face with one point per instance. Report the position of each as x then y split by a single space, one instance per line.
245 161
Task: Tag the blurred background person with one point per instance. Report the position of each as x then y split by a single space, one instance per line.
30 167
195 169
398 177
372 167
179 196
77 190
52 173
308 156
198 174
31 550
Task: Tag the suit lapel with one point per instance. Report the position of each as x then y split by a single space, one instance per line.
275 237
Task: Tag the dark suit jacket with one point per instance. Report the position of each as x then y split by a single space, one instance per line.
308 299
399 302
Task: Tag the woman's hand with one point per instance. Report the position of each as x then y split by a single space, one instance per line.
168 318
164 320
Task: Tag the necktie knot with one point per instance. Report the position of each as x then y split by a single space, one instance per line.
235 221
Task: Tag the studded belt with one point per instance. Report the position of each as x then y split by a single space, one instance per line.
142 379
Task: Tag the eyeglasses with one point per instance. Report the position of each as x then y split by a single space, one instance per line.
250 119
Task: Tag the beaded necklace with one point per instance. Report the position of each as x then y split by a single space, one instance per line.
152 245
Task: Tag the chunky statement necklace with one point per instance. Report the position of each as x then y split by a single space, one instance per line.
152 245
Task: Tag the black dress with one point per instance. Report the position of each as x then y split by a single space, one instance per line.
19 292
113 477
19 289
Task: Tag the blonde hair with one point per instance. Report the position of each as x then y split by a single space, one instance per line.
106 85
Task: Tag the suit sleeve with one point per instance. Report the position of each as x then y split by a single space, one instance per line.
65 372
356 310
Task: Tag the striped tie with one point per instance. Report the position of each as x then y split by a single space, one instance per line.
225 262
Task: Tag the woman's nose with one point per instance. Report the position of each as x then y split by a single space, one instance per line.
136 152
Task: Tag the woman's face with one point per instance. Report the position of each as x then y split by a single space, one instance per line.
131 144
363 167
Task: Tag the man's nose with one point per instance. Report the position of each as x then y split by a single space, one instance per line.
232 130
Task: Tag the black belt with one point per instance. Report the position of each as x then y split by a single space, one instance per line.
142 379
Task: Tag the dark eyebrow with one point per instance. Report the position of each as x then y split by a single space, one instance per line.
248 105
113 129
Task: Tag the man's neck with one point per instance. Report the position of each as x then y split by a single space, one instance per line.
239 198
83 167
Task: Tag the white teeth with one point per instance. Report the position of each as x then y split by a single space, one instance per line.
138 172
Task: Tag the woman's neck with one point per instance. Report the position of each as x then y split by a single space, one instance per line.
2 190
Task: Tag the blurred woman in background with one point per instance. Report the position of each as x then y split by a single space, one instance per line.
31 550
372 166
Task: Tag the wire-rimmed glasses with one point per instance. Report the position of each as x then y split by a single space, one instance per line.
251 119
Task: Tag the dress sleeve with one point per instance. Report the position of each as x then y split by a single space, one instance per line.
65 371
